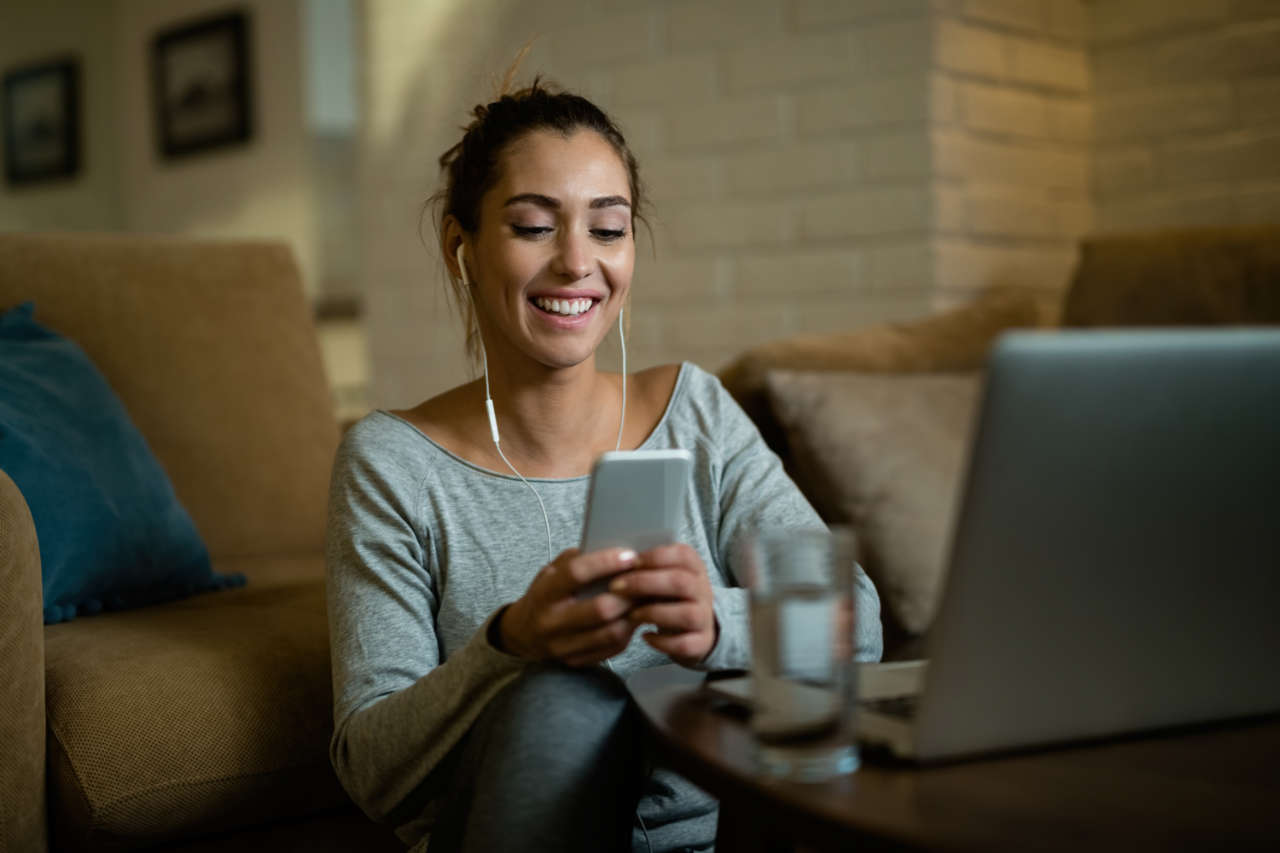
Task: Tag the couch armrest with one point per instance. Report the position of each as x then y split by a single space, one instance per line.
23 824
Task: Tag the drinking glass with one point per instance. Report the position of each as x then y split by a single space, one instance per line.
804 681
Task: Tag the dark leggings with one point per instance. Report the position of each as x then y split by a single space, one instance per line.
554 762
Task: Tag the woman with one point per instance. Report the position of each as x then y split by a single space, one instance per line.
476 698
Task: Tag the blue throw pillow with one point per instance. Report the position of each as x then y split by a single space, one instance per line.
112 533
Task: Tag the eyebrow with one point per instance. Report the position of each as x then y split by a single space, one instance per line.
554 204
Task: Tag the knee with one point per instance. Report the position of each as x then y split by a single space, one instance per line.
561 709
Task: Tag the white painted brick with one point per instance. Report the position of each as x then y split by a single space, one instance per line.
677 178
950 210
1214 205
901 266
1001 110
823 14
969 49
1039 63
1259 101
867 213
1020 14
1122 19
780 63
1164 112
676 279
1004 213
664 81
597 42
1220 53
693 226
944 100
1236 157
827 318
960 156
892 48
702 24
795 167
967 266
862 105
1258 205
1069 19
800 272
643 130
725 123
1071 120
727 328
895 156
1122 171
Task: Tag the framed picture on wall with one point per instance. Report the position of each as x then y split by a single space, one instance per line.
200 77
42 122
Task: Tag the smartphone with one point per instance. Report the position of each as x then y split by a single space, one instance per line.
635 500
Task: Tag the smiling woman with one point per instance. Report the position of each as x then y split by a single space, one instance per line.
477 695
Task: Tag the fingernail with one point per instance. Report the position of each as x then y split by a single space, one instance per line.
627 556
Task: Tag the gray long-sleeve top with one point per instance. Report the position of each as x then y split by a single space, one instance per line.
424 547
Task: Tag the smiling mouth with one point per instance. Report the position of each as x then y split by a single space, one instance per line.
563 307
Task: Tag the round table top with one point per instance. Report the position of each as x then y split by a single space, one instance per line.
1203 786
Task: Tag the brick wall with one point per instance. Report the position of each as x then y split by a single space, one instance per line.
1010 143
818 165
784 142
1187 112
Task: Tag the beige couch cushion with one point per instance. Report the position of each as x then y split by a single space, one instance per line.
198 716
212 349
884 453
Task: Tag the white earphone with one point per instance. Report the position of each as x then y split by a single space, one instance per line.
493 418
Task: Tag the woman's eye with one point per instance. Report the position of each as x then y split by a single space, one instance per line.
608 234
531 230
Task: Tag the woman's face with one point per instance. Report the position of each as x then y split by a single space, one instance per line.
552 258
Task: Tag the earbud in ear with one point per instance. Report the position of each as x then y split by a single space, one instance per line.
462 267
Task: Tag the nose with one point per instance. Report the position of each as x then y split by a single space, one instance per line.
574 258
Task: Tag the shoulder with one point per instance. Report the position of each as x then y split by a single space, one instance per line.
701 409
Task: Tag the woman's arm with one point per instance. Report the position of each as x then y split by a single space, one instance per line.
398 709
755 493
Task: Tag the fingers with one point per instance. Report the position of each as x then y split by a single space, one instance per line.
572 570
659 583
594 645
672 617
689 648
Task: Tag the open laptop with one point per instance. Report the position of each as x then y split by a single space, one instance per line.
1115 565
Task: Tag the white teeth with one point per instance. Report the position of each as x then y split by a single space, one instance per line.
566 307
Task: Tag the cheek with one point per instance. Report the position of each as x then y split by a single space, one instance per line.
619 269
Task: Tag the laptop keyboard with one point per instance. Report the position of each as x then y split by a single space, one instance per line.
903 707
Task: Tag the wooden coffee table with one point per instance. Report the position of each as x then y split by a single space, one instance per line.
1209 787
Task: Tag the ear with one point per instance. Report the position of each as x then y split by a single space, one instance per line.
451 237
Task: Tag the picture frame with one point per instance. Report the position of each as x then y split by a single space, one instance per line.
201 85
42 122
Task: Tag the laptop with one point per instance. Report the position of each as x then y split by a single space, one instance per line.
1115 563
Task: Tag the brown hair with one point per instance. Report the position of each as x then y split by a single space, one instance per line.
471 167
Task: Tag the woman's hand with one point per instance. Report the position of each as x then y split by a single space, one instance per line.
549 623
670 589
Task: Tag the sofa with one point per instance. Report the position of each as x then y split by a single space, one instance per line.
874 424
201 723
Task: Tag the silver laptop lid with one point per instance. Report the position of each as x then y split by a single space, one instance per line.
1116 561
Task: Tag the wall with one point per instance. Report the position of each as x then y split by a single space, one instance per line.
39 32
1010 143
1188 112
784 143
260 189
